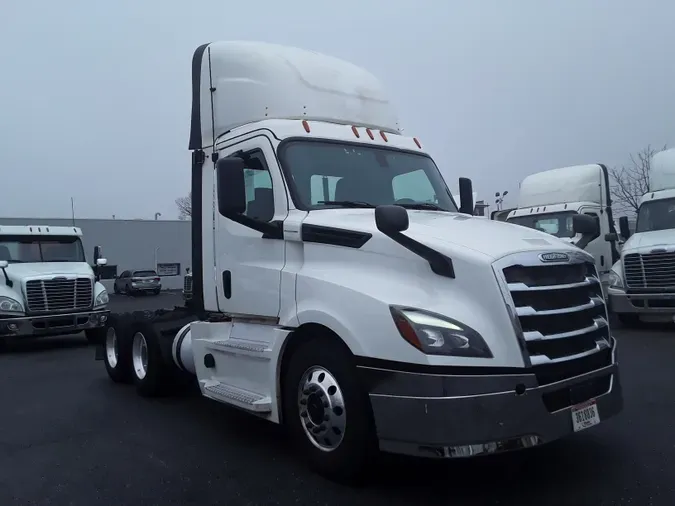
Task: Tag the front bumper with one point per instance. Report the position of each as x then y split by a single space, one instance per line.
55 324
471 414
656 304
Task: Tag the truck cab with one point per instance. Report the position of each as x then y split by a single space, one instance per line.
47 287
549 200
642 283
339 289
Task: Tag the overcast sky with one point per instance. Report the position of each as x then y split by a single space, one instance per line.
95 96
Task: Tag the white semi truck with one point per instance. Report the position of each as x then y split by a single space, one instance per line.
338 290
549 200
642 284
47 287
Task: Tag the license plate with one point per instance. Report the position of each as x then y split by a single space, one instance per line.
585 415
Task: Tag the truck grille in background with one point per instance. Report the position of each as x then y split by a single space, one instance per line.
56 295
651 270
562 314
187 284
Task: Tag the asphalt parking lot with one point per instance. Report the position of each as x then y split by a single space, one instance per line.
69 436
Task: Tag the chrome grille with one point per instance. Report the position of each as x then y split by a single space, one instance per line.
560 314
187 284
58 295
650 270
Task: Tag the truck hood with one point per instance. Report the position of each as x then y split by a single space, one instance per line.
645 242
491 239
20 272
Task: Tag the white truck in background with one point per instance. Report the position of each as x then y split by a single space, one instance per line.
549 200
47 288
338 290
642 284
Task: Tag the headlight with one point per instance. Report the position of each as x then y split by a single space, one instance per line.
615 280
10 306
102 298
438 335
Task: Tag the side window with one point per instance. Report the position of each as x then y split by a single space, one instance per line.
414 186
259 194
125 274
322 188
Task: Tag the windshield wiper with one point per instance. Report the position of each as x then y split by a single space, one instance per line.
423 206
347 203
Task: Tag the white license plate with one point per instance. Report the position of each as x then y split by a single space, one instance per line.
585 415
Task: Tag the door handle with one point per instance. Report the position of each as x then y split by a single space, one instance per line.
227 284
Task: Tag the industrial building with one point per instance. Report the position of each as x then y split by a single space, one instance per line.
131 244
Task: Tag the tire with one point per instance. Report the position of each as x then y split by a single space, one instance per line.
116 354
352 449
96 336
156 292
628 320
148 371
115 289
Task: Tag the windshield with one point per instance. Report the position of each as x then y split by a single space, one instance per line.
656 215
35 249
145 274
557 224
329 174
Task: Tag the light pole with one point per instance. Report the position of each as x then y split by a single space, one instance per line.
500 199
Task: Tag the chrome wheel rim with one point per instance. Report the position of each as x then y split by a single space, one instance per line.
139 355
321 408
111 352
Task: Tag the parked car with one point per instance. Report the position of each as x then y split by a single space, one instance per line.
135 282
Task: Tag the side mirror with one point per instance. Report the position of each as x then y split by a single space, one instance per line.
465 196
97 253
585 225
391 219
623 228
101 261
3 264
231 186
611 237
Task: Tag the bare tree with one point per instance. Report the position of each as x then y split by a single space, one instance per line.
632 182
184 205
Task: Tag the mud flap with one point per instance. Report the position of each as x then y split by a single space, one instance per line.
99 352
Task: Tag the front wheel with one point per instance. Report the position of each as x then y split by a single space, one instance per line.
328 413
629 320
95 336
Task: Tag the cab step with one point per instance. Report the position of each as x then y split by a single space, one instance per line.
244 399
243 347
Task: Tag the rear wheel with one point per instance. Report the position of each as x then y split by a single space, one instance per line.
149 372
328 413
116 357
156 292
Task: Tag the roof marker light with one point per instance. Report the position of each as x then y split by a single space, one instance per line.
417 142
356 132
305 125
370 134
384 137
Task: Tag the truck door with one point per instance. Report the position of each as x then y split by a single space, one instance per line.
248 265
599 247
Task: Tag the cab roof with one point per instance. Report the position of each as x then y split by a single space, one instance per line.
235 83
39 230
